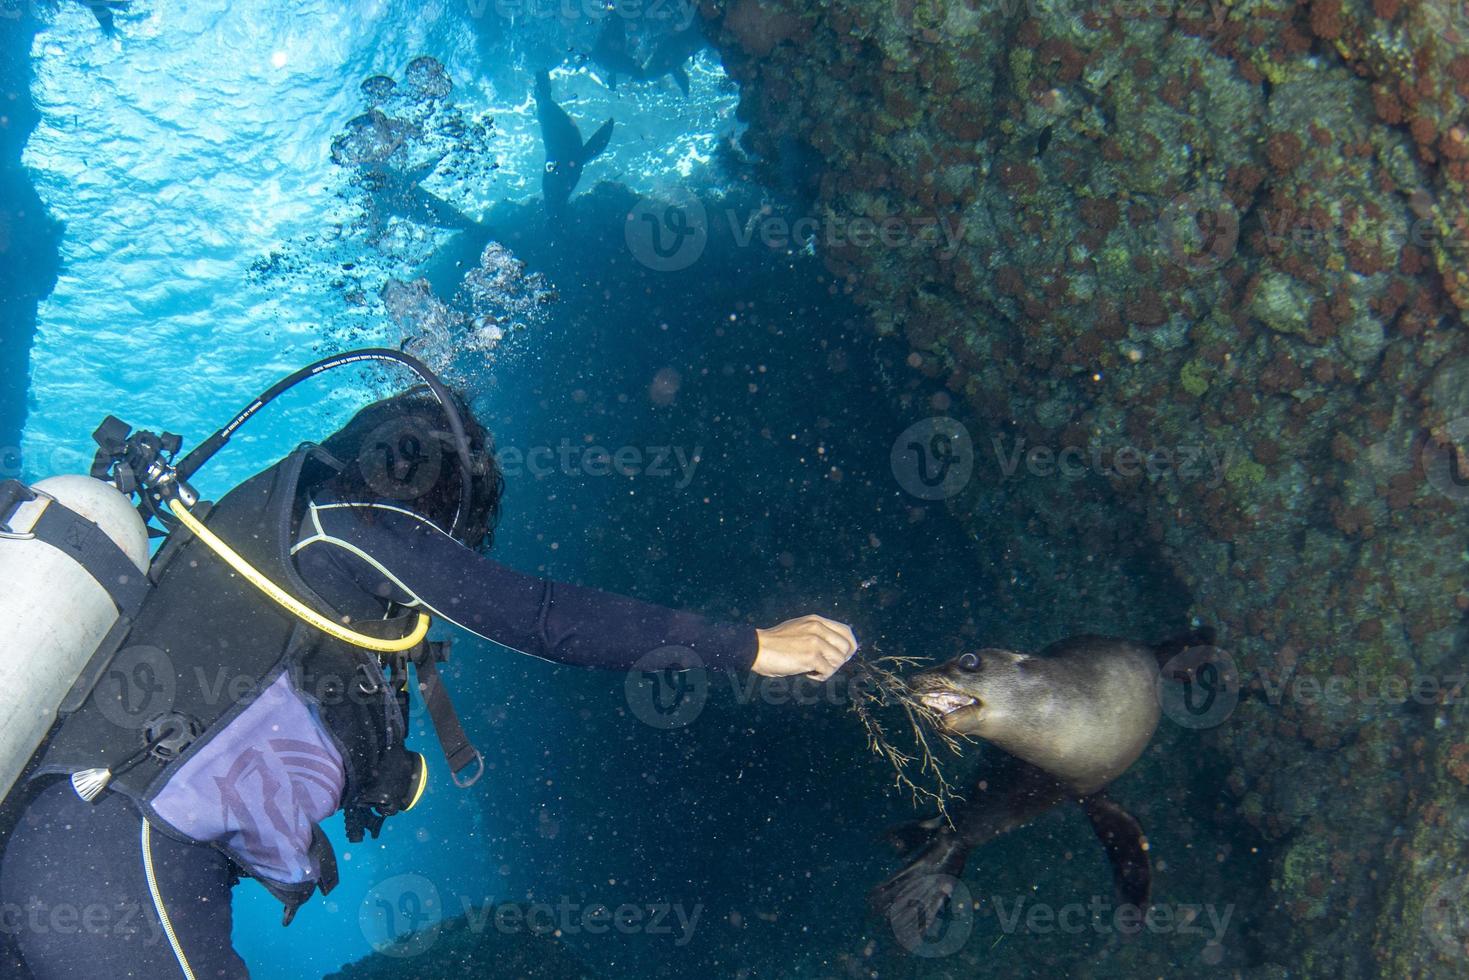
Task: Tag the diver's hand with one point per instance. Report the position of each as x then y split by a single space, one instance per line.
811 645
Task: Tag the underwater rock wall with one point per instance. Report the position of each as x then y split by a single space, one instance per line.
1237 231
29 240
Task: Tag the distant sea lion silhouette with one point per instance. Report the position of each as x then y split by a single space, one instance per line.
103 11
611 52
671 54
566 154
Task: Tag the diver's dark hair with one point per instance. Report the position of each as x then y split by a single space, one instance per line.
400 451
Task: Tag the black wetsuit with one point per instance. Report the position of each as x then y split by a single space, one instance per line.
87 890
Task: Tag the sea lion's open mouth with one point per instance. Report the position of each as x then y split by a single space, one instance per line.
947 702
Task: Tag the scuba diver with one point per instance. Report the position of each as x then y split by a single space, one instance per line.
255 681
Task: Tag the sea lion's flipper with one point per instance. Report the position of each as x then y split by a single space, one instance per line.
682 78
914 897
909 837
1126 846
1008 793
597 143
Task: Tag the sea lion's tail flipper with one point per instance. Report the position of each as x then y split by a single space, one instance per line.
597 143
914 897
103 11
909 837
1202 637
1126 846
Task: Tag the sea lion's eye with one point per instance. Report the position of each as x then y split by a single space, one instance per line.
970 661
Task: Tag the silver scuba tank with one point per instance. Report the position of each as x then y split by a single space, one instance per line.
56 614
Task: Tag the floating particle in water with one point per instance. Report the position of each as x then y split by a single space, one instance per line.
370 138
378 89
428 78
664 388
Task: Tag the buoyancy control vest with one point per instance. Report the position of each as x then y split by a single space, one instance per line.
231 722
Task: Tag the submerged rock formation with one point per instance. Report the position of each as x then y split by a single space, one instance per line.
1236 231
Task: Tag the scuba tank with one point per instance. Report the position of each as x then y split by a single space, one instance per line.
73 554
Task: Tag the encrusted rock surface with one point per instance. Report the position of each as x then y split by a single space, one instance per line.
1239 228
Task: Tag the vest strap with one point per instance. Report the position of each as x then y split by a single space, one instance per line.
459 752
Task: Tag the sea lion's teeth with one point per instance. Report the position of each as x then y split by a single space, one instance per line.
945 702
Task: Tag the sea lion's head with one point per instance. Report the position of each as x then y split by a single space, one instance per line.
964 691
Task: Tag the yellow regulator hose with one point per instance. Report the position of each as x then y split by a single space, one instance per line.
289 602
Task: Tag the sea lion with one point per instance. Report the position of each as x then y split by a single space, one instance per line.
671 53
1071 719
613 53
566 154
